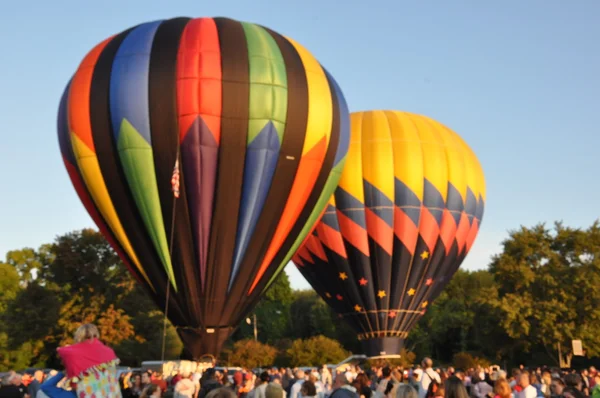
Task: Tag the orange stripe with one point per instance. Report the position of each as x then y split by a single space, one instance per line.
472 235
381 233
462 231
332 239
428 228
406 230
304 182
79 97
314 245
448 230
353 233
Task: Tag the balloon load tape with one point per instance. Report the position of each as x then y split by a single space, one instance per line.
383 333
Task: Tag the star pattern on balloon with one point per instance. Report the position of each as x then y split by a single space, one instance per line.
381 294
339 297
357 308
363 282
327 294
343 276
425 255
392 314
424 304
429 282
411 292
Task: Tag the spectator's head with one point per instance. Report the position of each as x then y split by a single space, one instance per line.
524 380
265 377
386 372
454 388
39 375
406 391
145 378
340 380
502 389
17 379
557 386
427 363
86 332
273 391
573 380
308 389
300 375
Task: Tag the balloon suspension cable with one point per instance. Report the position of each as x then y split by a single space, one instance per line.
164 337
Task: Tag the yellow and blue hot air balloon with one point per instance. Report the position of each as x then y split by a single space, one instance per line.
202 148
404 216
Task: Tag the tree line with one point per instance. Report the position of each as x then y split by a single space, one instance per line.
539 293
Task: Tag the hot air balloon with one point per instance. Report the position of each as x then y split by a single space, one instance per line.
203 149
404 216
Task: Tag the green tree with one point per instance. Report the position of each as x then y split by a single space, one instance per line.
9 285
252 354
272 313
316 351
547 288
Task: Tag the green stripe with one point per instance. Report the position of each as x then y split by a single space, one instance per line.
330 186
138 164
268 82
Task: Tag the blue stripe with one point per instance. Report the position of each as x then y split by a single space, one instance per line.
62 126
344 113
351 207
259 168
378 203
129 80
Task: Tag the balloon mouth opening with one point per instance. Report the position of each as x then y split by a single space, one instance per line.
383 347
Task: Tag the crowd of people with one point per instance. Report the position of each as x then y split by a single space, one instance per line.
422 381
91 372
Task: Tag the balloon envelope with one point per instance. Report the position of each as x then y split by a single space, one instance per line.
404 216
204 149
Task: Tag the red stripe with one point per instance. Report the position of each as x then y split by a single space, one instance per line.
462 231
304 253
314 245
353 233
332 239
199 88
379 231
448 230
86 200
405 230
428 228
297 261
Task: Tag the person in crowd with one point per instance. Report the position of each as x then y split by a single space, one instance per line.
136 388
185 387
208 383
527 390
557 387
151 391
52 388
35 384
11 386
428 376
502 389
596 383
454 388
91 365
386 379
297 386
342 388
221 392
308 390
480 388
406 391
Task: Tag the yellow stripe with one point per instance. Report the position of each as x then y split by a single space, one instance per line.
456 157
408 155
435 164
476 179
351 179
320 101
90 171
377 152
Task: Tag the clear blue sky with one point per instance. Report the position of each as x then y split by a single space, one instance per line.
519 80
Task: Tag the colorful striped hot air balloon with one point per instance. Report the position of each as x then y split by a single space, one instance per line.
405 215
204 149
